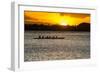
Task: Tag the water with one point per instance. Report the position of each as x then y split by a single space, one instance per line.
75 45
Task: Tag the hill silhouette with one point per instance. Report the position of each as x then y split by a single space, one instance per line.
83 27
55 27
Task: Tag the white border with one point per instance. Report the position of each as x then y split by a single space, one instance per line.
18 48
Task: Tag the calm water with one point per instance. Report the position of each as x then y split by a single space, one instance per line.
75 45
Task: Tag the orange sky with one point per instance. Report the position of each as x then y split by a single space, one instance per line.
52 18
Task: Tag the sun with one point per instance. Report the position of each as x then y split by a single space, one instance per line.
63 24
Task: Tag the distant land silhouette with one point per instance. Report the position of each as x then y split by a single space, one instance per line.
55 27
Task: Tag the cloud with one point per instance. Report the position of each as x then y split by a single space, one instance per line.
51 18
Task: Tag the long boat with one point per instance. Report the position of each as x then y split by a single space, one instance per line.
49 37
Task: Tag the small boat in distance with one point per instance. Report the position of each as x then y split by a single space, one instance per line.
49 37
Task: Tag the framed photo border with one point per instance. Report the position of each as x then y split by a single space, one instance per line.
16 58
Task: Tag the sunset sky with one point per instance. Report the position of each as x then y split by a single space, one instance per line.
52 18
